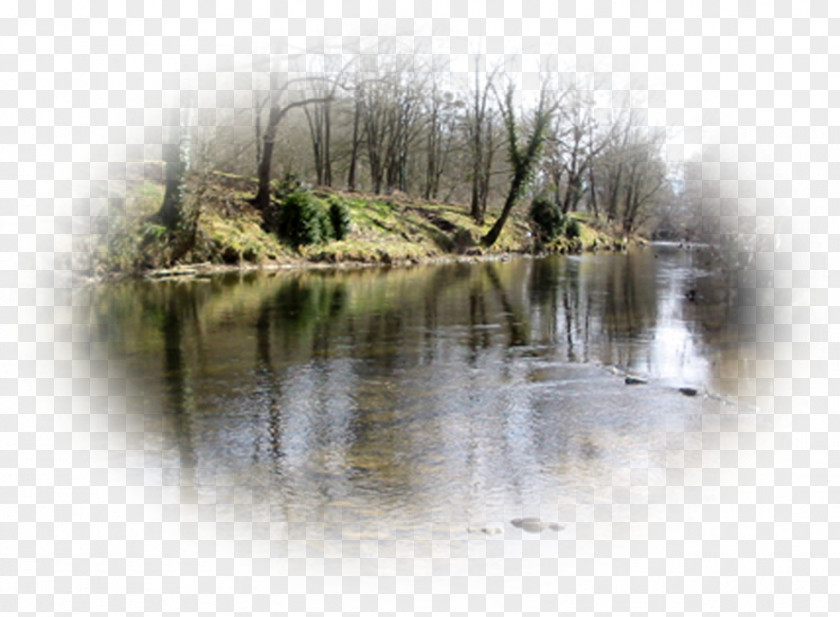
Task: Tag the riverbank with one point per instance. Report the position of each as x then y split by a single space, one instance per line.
228 233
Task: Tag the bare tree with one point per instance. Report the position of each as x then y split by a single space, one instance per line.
319 116
611 166
373 118
480 124
440 135
396 127
573 145
646 177
277 111
260 101
405 127
389 112
630 172
593 193
355 143
346 138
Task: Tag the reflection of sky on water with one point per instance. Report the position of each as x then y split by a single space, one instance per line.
430 396
675 352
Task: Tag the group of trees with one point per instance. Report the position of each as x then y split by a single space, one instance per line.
380 125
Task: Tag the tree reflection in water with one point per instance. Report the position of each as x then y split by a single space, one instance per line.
430 393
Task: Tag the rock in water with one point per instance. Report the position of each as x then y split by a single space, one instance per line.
489 530
632 380
689 391
534 525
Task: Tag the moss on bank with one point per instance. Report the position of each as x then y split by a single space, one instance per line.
396 229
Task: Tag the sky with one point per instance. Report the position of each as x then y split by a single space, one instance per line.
747 82
751 84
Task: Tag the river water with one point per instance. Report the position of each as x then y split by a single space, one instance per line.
438 401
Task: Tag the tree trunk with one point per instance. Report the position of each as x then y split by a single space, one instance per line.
275 115
475 204
493 235
476 211
354 150
170 211
593 197
522 158
176 152
326 149
612 196
263 197
573 193
431 151
316 135
488 167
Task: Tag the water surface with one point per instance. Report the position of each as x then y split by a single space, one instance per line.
441 399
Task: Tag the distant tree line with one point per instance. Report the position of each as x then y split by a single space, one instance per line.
382 124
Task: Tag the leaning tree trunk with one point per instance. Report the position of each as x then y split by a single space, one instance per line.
510 201
523 159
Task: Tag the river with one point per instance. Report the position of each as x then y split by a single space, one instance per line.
440 401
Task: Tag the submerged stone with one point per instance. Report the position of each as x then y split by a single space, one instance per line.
488 530
534 525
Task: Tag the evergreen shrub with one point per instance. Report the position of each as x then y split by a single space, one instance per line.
547 218
571 228
339 215
299 220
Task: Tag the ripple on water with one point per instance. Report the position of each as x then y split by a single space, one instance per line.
433 401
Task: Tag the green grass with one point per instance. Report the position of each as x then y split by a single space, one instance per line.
224 240
382 230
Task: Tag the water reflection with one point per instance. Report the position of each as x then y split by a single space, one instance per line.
453 393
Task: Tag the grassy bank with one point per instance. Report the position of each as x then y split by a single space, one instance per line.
393 230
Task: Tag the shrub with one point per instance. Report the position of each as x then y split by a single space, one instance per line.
547 218
299 219
285 187
571 228
339 218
